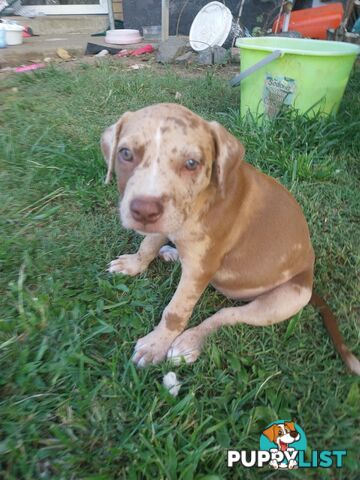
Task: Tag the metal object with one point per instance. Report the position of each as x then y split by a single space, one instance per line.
287 8
111 15
164 20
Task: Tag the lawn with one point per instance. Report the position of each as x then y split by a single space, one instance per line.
72 404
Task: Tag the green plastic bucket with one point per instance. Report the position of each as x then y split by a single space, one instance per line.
310 75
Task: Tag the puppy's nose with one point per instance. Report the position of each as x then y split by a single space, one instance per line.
146 209
294 434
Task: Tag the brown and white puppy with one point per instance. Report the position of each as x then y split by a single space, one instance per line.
185 179
283 435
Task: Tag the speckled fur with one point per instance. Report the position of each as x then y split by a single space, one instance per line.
233 226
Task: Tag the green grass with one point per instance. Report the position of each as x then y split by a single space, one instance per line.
72 404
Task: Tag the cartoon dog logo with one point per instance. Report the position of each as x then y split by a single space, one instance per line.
283 435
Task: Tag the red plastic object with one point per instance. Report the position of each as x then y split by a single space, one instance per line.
135 53
145 49
313 22
29 68
27 32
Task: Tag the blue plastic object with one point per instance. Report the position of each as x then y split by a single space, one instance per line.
2 38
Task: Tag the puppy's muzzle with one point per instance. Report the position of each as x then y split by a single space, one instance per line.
146 209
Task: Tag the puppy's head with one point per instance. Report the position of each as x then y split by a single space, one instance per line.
166 159
282 434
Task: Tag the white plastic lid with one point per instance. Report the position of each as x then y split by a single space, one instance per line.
210 27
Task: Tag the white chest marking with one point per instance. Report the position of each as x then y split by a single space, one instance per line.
153 179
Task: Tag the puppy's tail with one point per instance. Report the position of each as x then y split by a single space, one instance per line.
330 323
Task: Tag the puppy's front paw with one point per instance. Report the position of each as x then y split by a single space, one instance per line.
292 464
186 346
169 254
274 464
152 348
128 265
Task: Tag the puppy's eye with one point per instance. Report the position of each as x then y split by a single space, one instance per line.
126 155
191 164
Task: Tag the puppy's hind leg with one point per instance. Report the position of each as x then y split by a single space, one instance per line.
272 307
136 263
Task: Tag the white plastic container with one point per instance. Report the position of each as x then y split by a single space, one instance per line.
13 34
123 36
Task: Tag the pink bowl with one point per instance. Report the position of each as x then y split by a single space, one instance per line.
123 36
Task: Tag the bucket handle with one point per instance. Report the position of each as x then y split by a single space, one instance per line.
235 81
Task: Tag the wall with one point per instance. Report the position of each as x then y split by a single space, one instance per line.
138 13
118 9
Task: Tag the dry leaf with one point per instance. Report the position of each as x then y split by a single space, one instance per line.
63 54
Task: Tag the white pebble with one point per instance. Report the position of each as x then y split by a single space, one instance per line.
171 383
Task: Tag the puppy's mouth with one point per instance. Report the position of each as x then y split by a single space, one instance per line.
146 228
165 224
142 227
283 446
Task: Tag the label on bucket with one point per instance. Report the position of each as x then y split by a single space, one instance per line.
278 91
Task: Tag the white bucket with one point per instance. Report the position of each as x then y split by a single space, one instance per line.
13 34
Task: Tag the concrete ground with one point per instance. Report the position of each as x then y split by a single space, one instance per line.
36 49
71 32
59 24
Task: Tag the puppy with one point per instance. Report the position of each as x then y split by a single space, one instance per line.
185 179
283 435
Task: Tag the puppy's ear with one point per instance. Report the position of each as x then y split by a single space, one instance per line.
109 142
270 433
229 153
